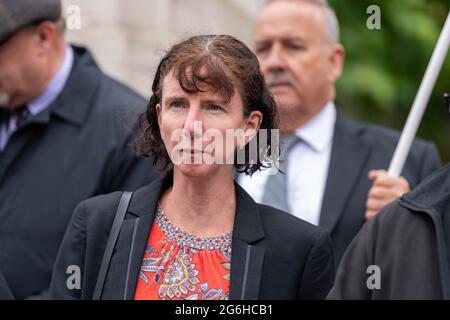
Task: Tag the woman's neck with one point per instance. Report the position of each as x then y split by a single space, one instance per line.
204 206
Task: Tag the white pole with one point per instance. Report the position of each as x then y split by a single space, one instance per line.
421 101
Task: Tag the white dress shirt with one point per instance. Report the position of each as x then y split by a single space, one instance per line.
308 163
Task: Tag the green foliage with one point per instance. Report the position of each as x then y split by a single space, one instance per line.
384 68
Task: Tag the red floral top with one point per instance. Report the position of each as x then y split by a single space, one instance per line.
180 266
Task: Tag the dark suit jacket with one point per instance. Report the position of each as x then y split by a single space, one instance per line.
274 255
75 149
410 243
357 149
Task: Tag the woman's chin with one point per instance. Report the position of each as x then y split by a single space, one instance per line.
196 170
199 167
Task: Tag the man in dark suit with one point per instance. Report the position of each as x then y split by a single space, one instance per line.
332 167
63 139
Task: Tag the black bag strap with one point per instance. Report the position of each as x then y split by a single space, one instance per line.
112 239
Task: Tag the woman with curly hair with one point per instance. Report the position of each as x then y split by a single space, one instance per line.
195 234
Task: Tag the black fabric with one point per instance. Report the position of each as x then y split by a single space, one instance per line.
112 239
357 149
78 147
5 292
285 257
4 116
409 240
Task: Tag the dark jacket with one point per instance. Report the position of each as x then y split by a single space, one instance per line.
5 292
75 149
409 241
274 255
357 149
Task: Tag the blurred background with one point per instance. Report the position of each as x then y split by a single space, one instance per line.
383 68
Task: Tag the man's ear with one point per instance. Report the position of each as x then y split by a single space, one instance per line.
46 33
337 60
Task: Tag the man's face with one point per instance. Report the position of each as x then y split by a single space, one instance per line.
298 60
19 68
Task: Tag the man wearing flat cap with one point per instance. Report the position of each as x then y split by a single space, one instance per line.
63 139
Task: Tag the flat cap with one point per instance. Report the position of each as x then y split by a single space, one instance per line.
17 14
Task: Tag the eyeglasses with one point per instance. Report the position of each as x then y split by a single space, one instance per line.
447 99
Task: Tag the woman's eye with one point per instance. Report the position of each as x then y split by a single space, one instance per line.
214 107
177 104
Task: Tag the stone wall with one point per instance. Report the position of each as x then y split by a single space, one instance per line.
127 36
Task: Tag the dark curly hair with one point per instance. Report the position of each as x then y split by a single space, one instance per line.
226 61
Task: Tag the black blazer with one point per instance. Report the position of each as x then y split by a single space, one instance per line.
274 255
5 292
357 149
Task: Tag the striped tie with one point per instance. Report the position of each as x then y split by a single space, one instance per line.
20 114
276 190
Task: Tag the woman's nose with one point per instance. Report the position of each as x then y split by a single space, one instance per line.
194 123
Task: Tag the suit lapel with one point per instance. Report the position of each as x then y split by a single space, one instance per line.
21 139
348 155
246 259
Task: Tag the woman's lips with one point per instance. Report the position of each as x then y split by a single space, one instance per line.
193 151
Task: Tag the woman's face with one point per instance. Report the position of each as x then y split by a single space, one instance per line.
201 131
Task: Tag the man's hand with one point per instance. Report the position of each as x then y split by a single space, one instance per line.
385 189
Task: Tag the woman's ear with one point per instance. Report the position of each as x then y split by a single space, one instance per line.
252 125
158 114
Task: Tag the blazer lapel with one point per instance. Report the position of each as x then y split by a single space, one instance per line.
246 259
115 284
348 155
141 231
143 205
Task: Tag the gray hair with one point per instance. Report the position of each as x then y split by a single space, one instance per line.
330 18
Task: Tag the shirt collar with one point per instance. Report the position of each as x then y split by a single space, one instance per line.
317 133
55 86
